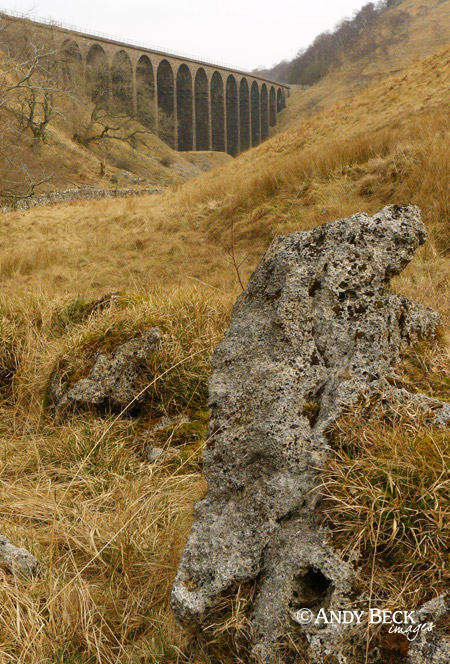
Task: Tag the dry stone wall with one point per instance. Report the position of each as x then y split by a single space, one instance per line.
68 195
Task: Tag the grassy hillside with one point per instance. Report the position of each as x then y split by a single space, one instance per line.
108 163
385 49
387 144
107 526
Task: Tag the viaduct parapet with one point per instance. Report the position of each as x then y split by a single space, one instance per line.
189 103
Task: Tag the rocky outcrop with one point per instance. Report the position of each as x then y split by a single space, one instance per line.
315 328
17 560
113 381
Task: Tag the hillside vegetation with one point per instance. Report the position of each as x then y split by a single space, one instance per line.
388 43
352 37
387 144
109 527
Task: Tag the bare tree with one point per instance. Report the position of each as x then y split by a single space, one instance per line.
100 123
29 86
37 110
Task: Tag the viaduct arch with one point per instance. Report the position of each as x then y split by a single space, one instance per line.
191 104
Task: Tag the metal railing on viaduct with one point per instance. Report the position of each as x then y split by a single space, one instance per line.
191 104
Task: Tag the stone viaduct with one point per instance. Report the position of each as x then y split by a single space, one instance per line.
191 104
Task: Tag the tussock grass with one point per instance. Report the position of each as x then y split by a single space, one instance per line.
107 526
386 495
34 345
388 499
190 324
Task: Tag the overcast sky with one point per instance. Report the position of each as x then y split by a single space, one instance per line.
243 33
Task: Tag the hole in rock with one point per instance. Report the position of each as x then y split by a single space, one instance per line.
314 288
311 590
311 410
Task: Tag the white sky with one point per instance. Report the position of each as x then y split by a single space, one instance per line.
243 33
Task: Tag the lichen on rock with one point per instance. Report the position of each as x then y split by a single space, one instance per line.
432 647
316 327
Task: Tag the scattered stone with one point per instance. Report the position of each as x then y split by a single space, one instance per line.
156 455
17 560
316 327
144 441
166 422
112 383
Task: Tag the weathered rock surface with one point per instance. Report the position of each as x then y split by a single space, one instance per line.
112 383
17 560
315 327
432 647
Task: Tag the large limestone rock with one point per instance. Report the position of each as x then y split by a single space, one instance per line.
112 383
315 327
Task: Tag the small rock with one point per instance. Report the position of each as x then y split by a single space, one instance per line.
432 647
146 438
112 383
157 455
17 560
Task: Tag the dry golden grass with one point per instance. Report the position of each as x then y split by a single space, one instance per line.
108 528
387 499
108 532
